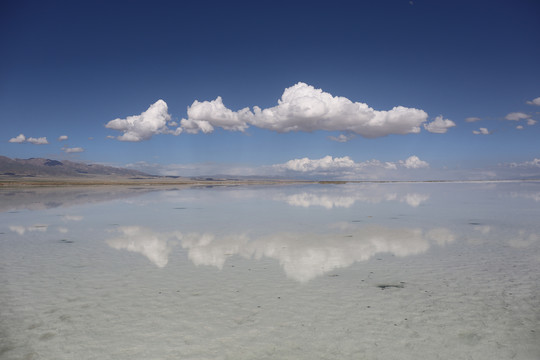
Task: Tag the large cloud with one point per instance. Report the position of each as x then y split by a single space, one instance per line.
142 127
304 108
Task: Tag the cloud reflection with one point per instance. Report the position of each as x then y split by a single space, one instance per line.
303 256
345 197
21 229
154 245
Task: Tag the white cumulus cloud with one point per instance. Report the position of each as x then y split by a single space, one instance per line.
21 139
203 116
37 141
345 166
142 127
414 162
472 119
304 108
326 163
531 122
481 131
534 101
516 116
62 137
439 125
18 139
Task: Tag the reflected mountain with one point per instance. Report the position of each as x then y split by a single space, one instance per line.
39 198
302 256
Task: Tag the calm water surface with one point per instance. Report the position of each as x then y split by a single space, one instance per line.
355 271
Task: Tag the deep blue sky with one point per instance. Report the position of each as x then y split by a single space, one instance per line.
70 67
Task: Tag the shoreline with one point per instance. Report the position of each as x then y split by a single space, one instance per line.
161 181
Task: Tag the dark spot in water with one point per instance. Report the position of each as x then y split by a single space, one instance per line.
333 275
349 236
179 208
357 221
385 286
66 241
475 223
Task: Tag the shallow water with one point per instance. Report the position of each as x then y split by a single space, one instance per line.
355 271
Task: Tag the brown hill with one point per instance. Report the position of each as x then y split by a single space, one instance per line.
39 167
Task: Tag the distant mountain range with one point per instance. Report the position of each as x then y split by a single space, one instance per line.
39 167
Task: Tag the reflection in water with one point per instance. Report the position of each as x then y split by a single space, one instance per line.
155 246
39 198
346 197
21 229
303 256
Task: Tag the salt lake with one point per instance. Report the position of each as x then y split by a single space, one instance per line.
305 271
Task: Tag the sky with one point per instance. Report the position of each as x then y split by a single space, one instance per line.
353 90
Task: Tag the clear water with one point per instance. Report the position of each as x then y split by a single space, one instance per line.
356 271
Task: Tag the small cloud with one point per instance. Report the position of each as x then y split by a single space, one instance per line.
535 163
110 137
519 127
439 125
531 122
342 138
534 101
18 139
62 137
37 141
481 131
72 150
472 119
516 116
414 162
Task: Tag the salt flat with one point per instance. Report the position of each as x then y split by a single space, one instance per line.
304 271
